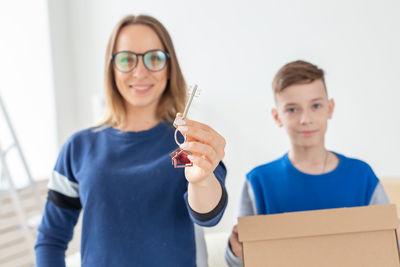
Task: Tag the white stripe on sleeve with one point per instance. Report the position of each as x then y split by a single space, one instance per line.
62 185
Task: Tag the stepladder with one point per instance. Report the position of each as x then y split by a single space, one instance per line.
20 207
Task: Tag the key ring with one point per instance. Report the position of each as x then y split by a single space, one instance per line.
176 138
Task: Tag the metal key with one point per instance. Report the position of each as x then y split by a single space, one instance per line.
179 156
189 102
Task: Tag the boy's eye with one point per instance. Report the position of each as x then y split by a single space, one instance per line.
317 106
291 110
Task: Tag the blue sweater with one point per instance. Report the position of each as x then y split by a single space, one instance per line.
134 201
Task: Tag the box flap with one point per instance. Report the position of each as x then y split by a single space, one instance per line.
317 222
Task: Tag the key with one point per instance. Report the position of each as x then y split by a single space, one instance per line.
187 107
179 156
189 103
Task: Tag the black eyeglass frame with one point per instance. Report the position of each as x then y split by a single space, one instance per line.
112 58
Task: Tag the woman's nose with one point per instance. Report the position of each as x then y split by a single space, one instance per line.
140 69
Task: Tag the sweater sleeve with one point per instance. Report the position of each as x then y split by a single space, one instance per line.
60 214
247 207
55 232
379 196
214 216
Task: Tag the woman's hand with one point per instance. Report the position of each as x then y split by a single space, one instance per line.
207 148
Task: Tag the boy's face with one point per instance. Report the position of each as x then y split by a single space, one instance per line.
303 110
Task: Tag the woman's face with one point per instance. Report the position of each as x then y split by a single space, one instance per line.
140 88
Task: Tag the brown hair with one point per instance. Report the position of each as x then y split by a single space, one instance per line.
296 72
174 95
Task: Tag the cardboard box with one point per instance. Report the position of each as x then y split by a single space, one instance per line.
359 236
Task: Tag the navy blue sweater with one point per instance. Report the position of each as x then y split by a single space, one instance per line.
135 210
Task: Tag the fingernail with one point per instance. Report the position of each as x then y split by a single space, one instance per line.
179 121
183 128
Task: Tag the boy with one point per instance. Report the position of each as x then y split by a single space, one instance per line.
309 176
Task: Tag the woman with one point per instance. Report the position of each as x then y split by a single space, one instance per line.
138 209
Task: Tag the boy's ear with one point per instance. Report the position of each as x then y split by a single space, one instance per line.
275 115
331 108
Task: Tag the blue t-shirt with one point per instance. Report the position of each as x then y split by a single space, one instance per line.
279 187
135 210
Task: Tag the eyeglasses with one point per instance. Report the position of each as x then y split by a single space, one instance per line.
153 60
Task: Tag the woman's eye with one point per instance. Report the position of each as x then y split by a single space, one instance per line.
126 60
155 58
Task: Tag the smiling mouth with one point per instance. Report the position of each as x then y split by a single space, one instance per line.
308 133
142 89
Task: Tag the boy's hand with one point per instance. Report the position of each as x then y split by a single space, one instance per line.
236 245
206 147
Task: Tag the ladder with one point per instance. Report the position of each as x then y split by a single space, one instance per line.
22 223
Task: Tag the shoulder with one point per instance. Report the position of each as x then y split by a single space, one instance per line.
356 170
354 163
267 169
85 134
82 138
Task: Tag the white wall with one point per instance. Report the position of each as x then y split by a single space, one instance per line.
232 49
65 93
26 87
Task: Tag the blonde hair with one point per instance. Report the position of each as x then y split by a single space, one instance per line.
174 95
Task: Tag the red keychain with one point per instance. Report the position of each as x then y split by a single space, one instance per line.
179 156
